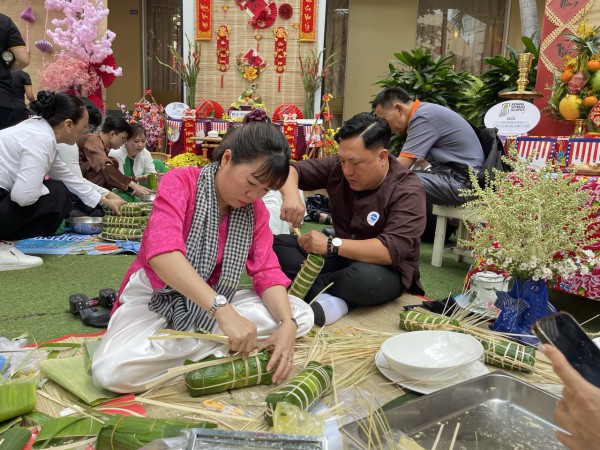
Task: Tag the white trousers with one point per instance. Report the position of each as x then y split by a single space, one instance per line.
127 360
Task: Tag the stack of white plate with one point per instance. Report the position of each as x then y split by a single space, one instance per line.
426 361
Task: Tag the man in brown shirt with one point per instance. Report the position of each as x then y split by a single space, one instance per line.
95 163
378 211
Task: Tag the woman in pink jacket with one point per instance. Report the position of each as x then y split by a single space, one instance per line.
206 226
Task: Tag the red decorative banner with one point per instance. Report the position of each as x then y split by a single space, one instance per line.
189 130
289 131
280 53
223 50
559 17
203 20
308 14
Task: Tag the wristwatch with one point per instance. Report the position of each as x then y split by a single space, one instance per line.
8 57
218 302
336 243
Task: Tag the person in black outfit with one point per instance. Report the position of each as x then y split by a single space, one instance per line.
19 88
13 56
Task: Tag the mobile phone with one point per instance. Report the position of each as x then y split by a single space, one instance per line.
562 330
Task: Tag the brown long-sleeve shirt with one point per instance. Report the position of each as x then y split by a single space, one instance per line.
97 166
394 212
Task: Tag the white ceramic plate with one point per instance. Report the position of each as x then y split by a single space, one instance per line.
473 371
462 300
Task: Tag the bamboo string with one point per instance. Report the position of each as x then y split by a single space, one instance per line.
437 438
454 436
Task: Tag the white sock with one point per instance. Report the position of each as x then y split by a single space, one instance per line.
334 308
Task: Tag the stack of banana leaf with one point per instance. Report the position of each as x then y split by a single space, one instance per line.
130 433
17 396
114 432
130 225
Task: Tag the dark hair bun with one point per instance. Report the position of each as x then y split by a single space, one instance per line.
44 105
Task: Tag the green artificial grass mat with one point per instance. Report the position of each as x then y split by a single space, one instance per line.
35 301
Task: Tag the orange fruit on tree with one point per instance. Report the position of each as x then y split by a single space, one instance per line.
589 101
566 76
593 65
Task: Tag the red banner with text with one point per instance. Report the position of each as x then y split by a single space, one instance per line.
203 20
308 15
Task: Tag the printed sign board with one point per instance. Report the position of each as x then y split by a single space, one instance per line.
512 117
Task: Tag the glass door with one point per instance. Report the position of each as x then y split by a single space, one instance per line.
162 28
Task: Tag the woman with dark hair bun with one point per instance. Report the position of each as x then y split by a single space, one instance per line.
30 205
207 225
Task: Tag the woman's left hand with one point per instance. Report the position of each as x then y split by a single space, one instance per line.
281 343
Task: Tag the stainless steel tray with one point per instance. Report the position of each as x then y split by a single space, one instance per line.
493 411
213 439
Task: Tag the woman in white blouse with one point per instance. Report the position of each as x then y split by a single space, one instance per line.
134 159
30 204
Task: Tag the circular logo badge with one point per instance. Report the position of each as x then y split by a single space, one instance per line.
372 218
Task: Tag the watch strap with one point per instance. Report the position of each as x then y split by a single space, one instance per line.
330 246
334 249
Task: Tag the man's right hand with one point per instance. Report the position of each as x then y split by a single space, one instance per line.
113 203
292 209
139 190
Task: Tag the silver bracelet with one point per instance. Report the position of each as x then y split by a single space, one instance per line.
292 319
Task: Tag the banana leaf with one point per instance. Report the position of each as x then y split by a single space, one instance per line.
134 209
307 274
132 433
17 397
90 346
507 354
71 374
416 321
126 222
122 233
14 438
229 375
303 391
67 427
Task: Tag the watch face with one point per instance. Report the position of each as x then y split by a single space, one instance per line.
8 56
336 242
221 300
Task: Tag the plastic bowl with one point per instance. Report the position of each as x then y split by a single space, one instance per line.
86 224
431 355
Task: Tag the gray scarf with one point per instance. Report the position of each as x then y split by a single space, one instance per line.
201 252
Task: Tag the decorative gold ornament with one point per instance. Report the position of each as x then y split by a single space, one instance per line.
524 66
